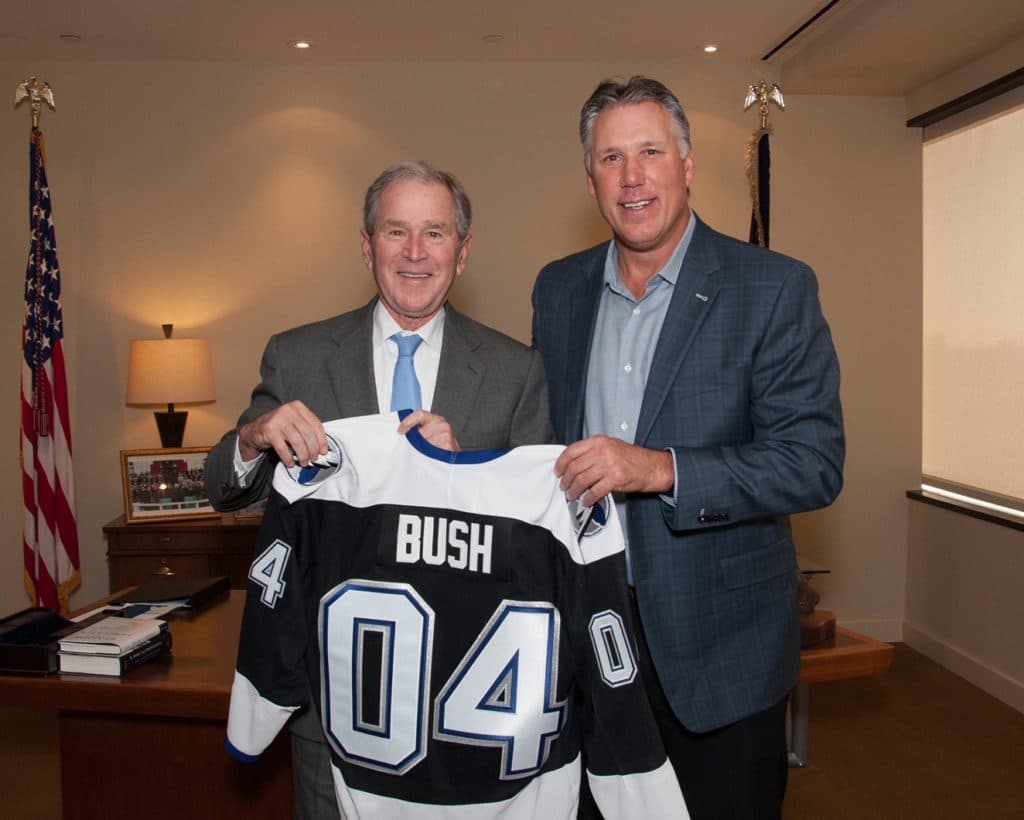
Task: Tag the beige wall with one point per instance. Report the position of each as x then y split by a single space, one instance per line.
853 211
225 198
964 602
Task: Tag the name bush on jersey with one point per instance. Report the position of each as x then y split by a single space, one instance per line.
438 541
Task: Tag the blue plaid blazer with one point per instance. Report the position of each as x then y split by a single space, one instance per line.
744 389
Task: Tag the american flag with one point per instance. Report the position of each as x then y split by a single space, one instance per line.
51 534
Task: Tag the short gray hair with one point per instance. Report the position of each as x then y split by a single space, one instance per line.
638 89
414 169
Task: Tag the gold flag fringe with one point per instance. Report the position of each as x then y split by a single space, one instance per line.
751 164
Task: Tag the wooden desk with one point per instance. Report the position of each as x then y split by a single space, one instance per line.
151 744
850 655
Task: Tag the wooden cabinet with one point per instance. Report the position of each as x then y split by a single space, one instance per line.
209 546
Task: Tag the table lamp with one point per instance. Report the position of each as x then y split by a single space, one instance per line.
170 371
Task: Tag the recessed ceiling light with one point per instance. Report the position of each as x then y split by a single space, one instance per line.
710 48
300 44
494 38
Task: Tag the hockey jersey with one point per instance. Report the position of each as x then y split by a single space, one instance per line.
463 631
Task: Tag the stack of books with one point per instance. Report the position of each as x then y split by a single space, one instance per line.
113 645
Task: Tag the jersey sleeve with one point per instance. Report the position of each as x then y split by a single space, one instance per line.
628 770
271 680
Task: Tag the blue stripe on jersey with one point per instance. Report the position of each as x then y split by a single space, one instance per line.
415 438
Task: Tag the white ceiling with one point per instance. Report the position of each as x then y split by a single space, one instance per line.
859 46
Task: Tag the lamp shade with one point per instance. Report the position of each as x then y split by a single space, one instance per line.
170 371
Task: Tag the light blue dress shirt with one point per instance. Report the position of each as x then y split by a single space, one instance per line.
625 336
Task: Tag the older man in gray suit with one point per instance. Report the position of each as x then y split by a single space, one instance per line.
478 388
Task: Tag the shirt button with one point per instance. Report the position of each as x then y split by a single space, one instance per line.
636 311
624 426
628 368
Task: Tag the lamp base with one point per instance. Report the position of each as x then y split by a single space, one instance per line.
171 425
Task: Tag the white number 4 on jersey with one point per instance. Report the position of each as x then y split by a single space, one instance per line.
268 570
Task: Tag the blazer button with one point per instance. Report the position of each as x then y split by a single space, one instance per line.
711 517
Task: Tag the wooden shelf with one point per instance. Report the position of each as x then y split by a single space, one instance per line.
850 655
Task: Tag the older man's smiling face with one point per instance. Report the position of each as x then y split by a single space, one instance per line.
415 253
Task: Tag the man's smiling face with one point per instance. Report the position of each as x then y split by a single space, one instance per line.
638 177
415 252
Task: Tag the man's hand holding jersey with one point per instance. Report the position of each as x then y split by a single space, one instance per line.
297 436
592 468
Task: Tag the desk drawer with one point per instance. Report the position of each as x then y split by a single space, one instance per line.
149 541
128 571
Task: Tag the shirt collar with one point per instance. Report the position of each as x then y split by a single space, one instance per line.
670 273
431 333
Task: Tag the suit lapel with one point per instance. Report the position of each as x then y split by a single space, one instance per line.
350 365
581 315
459 373
692 299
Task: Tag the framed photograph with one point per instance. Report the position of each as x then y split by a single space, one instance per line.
165 484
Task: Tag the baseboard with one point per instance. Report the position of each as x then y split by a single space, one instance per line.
888 630
985 677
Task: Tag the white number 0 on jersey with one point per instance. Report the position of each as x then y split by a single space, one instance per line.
376 642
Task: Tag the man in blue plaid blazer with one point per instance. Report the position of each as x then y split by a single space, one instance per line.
695 379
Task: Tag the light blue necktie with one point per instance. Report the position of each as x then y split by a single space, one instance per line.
405 389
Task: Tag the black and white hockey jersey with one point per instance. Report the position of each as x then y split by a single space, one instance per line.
462 640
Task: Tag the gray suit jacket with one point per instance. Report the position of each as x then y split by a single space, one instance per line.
490 388
744 390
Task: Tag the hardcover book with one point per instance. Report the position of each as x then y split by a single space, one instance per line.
85 664
112 635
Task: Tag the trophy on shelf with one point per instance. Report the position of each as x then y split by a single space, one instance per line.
817 626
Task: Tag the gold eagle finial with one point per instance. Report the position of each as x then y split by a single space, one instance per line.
36 94
763 93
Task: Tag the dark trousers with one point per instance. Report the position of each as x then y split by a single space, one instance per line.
313 795
737 772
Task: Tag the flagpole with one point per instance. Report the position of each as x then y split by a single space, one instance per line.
758 159
50 535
